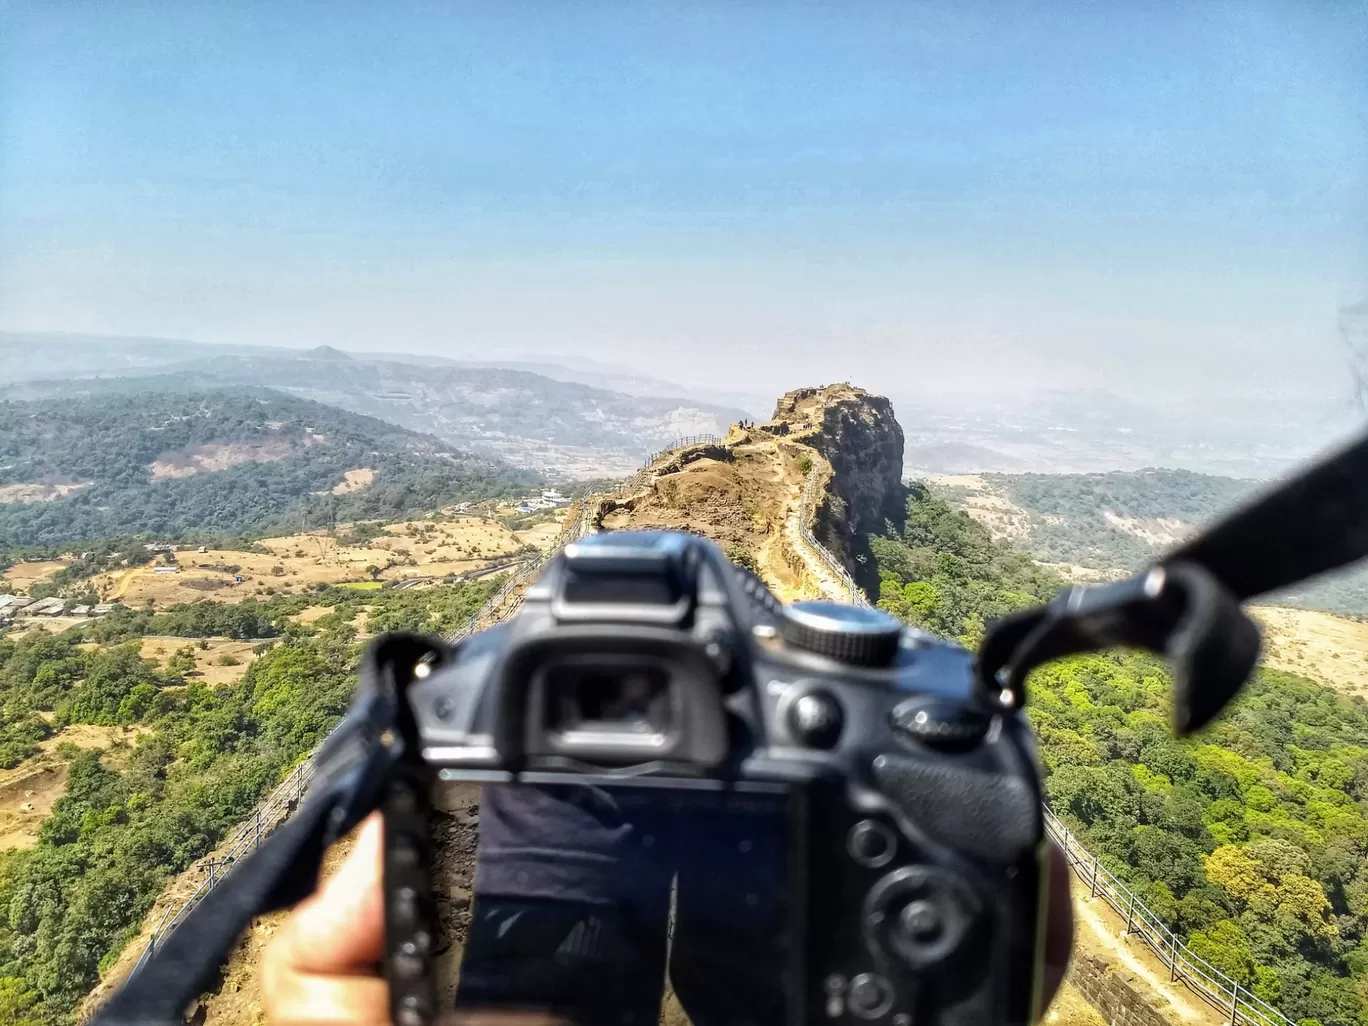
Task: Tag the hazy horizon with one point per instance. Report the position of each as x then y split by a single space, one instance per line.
917 200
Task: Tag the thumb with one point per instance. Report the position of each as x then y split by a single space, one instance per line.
340 929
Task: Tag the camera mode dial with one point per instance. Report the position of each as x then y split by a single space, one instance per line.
856 635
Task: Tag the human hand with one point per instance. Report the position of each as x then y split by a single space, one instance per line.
323 966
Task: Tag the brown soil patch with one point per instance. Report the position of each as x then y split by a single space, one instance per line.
209 669
40 492
312 615
1161 532
354 481
543 536
23 576
1083 574
1326 648
212 456
293 563
28 792
1004 520
50 624
26 799
1070 1008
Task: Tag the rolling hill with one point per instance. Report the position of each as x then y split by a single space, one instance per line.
216 463
538 420
1094 526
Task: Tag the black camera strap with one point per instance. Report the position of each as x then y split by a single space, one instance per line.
1187 606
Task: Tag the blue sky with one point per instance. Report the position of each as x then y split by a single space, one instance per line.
1151 198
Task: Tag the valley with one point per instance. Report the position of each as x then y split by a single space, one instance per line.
572 424
155 727
1097 527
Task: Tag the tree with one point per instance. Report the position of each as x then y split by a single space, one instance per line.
1224 946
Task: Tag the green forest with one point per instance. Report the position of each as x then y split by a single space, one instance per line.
1079 532
1249 840
198 761
108 444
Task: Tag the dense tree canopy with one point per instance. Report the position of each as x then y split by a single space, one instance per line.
108 445
1250 840
944 573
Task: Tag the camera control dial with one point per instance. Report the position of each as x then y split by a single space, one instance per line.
856 635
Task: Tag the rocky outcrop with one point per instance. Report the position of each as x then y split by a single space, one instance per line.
830 460
859 437
862 441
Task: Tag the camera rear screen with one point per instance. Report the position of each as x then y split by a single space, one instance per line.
622 905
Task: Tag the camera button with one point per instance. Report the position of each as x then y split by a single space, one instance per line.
922 921
816 719
920 916
405 852
412 1011
870 996
871 844
407 967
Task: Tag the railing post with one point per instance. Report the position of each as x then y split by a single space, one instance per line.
211 872
1173 958
1130 914
1092 892
256 825
1234 1003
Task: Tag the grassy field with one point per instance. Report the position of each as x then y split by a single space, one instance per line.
432 547
1327 648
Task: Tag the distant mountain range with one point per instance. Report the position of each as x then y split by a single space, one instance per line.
1249 436
1103 525
218 463
544 419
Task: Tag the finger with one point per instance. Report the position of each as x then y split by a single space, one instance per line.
298 999
1059 926
341 928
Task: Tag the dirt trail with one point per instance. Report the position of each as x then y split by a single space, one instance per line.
1099 930
828 584
126 579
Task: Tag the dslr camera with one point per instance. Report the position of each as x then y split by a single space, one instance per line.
804 813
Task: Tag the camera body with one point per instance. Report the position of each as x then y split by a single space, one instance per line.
915 877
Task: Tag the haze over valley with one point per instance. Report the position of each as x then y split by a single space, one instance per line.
321 322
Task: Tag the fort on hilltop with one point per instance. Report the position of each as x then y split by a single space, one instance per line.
828 460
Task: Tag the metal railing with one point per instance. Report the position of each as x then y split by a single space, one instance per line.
1184 965
682 442
1199 975
807 514
269 814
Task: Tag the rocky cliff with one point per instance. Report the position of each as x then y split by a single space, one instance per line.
829 460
